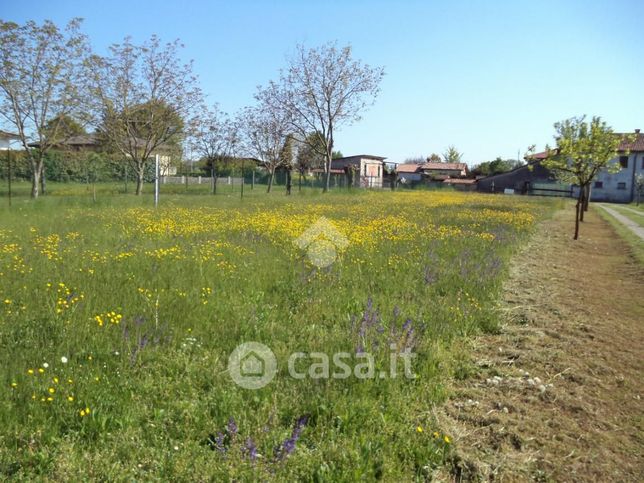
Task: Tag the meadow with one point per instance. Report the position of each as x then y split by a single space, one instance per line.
117 321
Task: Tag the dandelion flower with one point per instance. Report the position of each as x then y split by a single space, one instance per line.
446 439
435 434
41 370
51 390
30 372
50 399
70 398
14 384
63 360
55 379
82 413
419 429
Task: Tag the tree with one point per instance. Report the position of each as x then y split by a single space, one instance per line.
214 137
323 89
497 166
452 155
286 160
583 150
434 158
63 127
264 132
41 72
639 187
145 99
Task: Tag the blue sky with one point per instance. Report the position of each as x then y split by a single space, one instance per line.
490 77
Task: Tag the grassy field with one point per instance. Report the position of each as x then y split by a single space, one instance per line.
117 322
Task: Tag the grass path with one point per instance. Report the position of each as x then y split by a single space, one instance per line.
557 395
627 221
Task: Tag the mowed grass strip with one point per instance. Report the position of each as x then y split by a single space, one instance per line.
117 322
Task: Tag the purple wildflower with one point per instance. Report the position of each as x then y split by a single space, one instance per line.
231 428
250 449
288 446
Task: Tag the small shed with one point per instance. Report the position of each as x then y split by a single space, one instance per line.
368 169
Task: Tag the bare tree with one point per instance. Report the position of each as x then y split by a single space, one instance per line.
146 98
323 89
265 130
214 135
41 67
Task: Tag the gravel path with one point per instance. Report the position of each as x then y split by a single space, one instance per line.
628 223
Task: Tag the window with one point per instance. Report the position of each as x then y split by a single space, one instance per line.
599 184
621 185
623 161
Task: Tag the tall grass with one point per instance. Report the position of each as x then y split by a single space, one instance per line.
145 307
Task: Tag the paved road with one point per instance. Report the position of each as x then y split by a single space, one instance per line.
628 223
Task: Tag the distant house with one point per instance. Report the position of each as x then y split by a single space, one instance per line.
6 138
368 169
523 180
91 143
409 173
442 171
620 187
534 178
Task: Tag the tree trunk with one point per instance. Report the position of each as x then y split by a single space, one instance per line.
43 181
327 180
582 202
139 182
299 184
587 198
270 180
35 181
288 182
577 212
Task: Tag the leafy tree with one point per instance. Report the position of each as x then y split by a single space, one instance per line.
62 127
322 89
497 166
434 158
337 155
452 155
639 186
145 98
583 150
41 79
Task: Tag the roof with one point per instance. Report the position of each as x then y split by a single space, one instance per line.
636 145
368 156
8 135
444 166
408 168
459 181
79 140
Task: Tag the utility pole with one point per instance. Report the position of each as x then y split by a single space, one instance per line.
156 180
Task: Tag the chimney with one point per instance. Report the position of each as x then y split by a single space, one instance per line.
637 131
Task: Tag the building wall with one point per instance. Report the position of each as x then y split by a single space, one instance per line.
618 187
